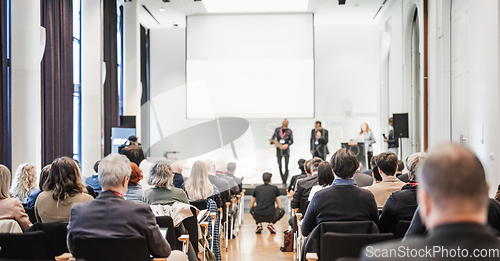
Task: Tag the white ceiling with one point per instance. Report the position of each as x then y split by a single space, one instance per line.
327 12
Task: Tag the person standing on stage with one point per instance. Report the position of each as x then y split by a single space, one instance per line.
392 142
319 141
366 135
284 136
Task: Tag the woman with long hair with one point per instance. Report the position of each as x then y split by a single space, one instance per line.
62 189
11 208
24 182
44 175
198 187
161 176
325 178
366 135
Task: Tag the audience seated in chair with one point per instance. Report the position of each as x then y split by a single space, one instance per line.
61 191
402 204
178 178
164 192
304 186
387 164
23 183
265 205
453 200
11 208
362 179
343 201
325 178
199 188
303 174
134 190
44 175
221 184
110 216
93 180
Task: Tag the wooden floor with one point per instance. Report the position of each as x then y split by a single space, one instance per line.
259 247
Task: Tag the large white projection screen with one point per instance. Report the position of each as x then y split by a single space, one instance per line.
250 66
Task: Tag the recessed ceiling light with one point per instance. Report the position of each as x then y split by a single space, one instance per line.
245 6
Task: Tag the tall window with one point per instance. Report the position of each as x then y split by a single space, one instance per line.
77 80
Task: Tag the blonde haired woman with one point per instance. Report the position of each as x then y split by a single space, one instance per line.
11 208
24 182
161 177
198 188
366 135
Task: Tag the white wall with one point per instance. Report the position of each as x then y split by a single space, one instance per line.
346 83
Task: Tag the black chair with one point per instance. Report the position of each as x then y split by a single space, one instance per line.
401 228
25 246
313 242
191 225
31 214
168 223
111 249
337 245
56 234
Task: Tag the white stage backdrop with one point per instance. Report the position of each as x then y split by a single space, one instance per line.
250 66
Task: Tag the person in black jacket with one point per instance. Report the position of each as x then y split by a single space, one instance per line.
453 201
178 178
343 201
133 151
392 142
402 204
284 136
304 186
319 141
303 174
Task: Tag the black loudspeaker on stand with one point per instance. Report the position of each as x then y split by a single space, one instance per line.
400 124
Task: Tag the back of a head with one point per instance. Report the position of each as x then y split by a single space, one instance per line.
198 186
96 166
177 166
220 166
401 165
135 174
161 175
133 138
344 163
373 162
44 175
64 179
4 182
301 163
315 164
24 180
307 166
266 177
231 167
454 178
387 162
325 174
112 170
210 165
414 162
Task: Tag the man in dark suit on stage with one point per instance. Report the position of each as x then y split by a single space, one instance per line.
453 200
319 141
284 136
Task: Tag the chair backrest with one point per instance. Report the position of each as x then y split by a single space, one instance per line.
56 233
110 249
10 226
401 228
200 204
31 214
337 245
25 246
168 223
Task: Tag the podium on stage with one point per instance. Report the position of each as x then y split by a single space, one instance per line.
359 149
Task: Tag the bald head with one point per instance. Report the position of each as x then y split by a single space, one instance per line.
454 179
210 165
284 125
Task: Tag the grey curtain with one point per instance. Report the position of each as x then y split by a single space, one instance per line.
5 147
